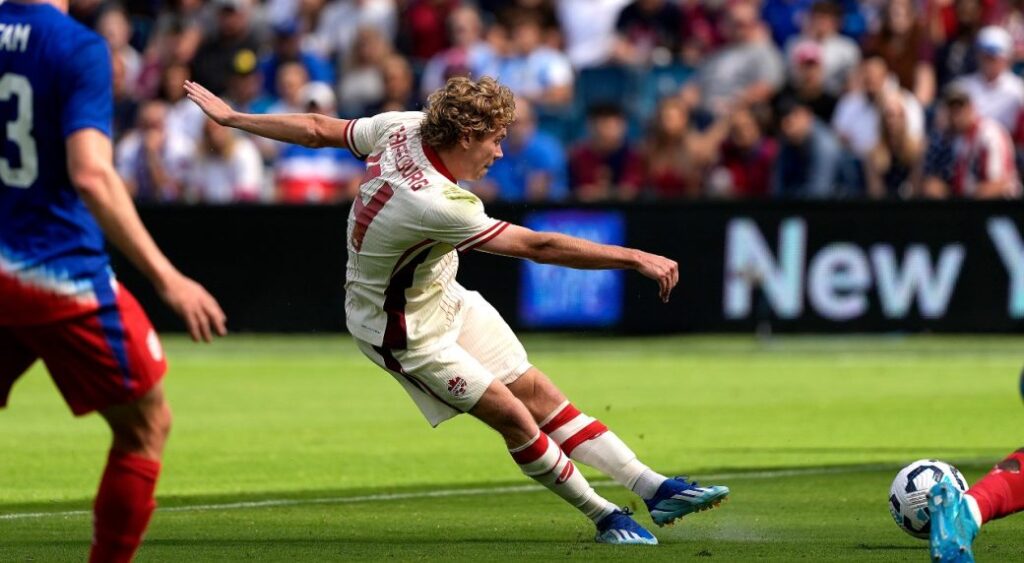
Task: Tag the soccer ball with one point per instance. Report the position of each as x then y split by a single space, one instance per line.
908 496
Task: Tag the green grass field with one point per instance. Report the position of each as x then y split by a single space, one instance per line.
298 449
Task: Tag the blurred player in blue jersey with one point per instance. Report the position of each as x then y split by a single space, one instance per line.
59 300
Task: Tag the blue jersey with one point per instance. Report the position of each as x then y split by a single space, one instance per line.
55 79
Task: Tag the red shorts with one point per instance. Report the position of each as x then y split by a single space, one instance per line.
100 359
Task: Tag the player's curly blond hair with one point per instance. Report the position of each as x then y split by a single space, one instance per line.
466 107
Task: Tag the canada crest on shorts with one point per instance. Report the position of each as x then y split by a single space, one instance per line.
457 386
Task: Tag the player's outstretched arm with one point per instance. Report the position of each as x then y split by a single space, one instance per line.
572 252
91 168
307 129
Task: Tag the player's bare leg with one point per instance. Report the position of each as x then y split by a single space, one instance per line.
589 441
541 459
125 501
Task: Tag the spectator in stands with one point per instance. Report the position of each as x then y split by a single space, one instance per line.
399 87
153 160
469 54
589 30
856 117
983 163
839 54
341 20
113 25
892 167
903 41
676 155
290 79
995 91
747 157
288 49
958 56
937 168
531 69
245 87
423 28
125 105
363 82
807 80
534 165
324 175
227 168
215 57
178 32
183 116
647 33
748 70
1012 20
700 29
810 158
175 42
783 18
501 12
604 166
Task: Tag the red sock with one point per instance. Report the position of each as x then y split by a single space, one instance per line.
1001 492
123 507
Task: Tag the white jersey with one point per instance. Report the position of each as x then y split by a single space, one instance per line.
403 230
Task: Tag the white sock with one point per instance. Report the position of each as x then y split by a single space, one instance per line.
588 441
543 461
972 506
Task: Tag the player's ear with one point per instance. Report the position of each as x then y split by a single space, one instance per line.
465 141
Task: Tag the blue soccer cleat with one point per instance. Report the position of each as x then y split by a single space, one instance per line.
677 497
619 529
953 529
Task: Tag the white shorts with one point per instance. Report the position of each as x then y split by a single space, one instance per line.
450 377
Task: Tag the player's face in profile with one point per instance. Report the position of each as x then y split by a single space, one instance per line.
482 152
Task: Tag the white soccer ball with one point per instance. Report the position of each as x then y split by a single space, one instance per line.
908 496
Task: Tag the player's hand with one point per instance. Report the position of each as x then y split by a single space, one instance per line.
661 270
216 108
196 307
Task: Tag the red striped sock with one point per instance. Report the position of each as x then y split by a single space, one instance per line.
123 507
570 428
1001 492
587 440
542 460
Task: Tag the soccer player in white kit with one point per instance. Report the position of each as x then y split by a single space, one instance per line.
448 347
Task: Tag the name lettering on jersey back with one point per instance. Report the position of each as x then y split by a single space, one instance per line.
14 37
404 163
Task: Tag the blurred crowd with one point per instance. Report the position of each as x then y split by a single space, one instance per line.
617 100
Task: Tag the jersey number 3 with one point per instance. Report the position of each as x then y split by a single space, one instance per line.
19 131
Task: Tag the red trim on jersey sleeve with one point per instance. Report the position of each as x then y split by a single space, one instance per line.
435 160
493 233
350 139
481 237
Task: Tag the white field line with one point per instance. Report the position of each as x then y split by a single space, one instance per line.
443 493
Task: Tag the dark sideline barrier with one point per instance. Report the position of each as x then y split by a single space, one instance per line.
787 266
